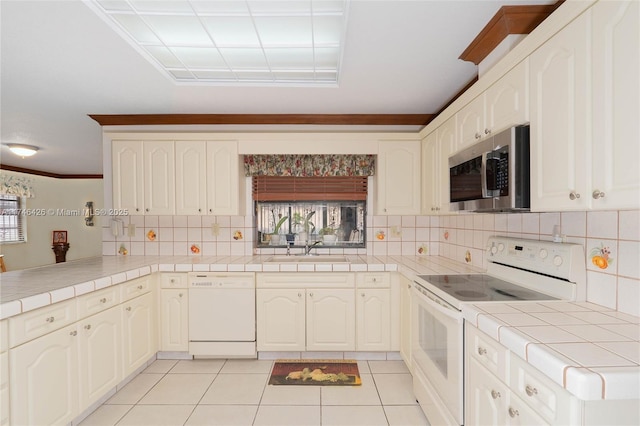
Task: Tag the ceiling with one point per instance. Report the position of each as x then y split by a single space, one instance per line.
61 62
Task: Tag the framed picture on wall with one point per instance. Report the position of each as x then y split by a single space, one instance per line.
59 237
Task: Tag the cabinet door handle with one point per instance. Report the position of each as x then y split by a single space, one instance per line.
299 294
573 195
137 209
487 131
513 413
103 300
173 280
310 294
199 210
597 194
180 294
362 295
495 394
87 327
50 319
530 390
478 135
128 309
73 333
139 287
482 351
146 210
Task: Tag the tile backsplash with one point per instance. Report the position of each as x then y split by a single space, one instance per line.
611 240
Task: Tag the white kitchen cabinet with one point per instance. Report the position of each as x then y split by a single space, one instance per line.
144 176
330 320
405 320
281 319
100 350
174 320
138 332
373 319
191 177
560 141
44 379
4 374
398 178
486 397
435 160
471 123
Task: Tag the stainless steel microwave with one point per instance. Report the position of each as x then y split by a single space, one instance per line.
492 175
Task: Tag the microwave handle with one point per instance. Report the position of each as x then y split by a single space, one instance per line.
483 175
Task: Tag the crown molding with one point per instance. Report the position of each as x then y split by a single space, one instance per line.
47 174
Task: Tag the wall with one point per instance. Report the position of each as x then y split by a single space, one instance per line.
50 193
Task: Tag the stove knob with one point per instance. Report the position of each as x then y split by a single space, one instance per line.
557 261
494 250
543 253
500 247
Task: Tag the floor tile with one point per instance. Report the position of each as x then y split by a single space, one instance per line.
161 366
405 415
363 367
395 389
179 389
157 415
106 415
247 366
236 389
228 415
291 395
353 416
135 389
388 367
365 394
208 366
272 415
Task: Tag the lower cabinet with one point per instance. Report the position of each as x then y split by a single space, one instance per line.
44 379
4 374
174 320
331 317
405 320
138 332
373 312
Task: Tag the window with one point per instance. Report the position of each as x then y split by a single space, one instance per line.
12 223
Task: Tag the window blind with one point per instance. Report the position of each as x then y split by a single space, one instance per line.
12 226
289 188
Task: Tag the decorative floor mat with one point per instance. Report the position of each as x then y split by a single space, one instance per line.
319 372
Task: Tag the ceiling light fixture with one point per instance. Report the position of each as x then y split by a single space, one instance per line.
23 150
235 42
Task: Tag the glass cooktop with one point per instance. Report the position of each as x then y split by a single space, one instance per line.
480 287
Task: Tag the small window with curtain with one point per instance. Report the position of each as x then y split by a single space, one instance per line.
12 222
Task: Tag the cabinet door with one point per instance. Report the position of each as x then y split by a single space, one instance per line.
138 332
100 349
507 100
224 186
128 177
159 177
373 320
520 414
559 105
174 320
431 187
471 123
191 177
398 179
485 396
331 320
405 320
616 105
44 379
280 319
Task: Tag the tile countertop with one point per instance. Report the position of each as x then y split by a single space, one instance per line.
590 350
29 289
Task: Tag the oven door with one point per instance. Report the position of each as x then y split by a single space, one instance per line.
437 354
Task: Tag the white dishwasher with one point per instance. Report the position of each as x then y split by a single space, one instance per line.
222 315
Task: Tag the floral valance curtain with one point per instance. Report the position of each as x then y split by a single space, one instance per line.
309 165
16 185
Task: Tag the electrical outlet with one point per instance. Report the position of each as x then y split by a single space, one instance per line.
131 230
396 231
215 229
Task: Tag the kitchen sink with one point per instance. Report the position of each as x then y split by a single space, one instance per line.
308 259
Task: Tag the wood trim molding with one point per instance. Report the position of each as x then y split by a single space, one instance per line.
264 119
508 20
47 174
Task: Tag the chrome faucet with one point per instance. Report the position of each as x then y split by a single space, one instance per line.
307 247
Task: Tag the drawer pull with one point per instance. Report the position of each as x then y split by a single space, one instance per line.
180 294
310 294
482 351
513 413
87 327
299 294
172 281
362 295
140 287
375 279
495 394
530 390
50 319
73 333
103 300
128 309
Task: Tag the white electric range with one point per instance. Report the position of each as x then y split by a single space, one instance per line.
518 270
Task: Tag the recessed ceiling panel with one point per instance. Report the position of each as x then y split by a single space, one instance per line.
243 40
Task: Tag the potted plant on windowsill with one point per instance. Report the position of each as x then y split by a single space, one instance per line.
275 235
329 236
303 225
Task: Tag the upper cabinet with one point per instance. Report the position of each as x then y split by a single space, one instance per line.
398 178
128 177
436 148
584 114
191 177
159 177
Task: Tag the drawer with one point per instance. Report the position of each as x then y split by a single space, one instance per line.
373 280
4 335
173 280
305 280
489 353
30 325
538 391
98 301
135 288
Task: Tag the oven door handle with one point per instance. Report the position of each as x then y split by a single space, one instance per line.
434 302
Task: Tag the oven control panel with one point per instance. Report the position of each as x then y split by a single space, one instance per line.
561 260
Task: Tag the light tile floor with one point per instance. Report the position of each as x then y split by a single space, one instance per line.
235 392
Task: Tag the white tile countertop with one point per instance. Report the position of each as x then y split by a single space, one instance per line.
590 350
